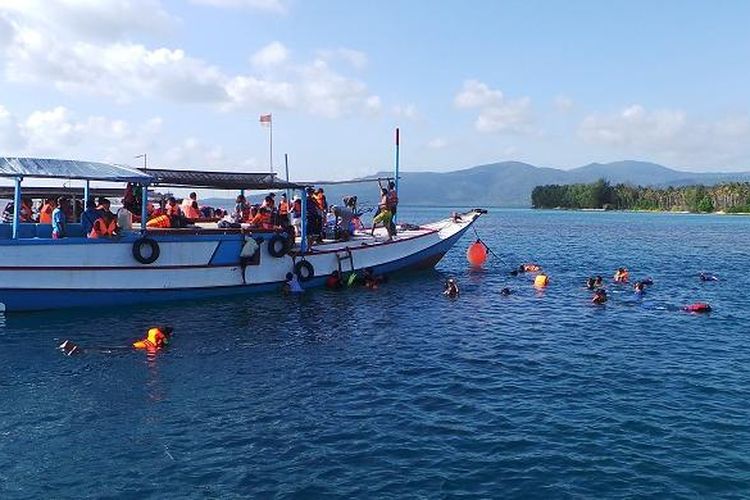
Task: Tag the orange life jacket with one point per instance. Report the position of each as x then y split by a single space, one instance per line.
154 340
45 214
160 221
103 229
262 220
192 213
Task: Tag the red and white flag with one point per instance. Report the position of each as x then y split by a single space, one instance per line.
265 119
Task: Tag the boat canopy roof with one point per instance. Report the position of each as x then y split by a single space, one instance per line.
218 180
48 168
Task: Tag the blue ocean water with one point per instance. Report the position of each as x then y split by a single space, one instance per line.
400 392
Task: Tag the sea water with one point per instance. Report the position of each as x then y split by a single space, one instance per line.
401 392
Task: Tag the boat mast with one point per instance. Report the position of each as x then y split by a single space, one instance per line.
397 165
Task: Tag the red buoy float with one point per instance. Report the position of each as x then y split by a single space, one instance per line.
698 307
477 254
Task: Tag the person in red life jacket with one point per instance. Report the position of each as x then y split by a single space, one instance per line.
698 307
334 281
156 338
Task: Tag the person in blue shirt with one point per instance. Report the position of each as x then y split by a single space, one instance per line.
89 216
58 220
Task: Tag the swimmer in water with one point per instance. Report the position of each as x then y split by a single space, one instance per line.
590 283
639 288
600 296
451 289
707 277
505 292
598 281
647 281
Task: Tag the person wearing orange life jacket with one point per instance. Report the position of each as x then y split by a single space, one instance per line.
45 213
622 275
192 211
156 338
262 219
103 228
283 211
163 221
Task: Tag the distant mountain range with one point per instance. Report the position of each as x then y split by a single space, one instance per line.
509 184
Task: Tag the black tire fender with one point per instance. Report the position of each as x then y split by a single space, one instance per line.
278 246
138 250
304 270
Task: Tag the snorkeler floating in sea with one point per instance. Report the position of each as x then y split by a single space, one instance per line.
451 288
156 339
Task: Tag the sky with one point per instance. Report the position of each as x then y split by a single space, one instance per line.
552 83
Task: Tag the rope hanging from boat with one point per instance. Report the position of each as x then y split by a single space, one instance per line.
480 240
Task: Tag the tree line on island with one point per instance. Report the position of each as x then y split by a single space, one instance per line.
730 197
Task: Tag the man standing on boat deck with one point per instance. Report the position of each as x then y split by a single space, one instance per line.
392 205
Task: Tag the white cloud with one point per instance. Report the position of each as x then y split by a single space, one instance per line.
93 19
563 103
10 133
254 93
407 111
634 125
277 6
40 53
437 143
355 58
330 94
670 135
496 112
272 54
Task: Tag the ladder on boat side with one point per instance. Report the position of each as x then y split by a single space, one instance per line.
342 257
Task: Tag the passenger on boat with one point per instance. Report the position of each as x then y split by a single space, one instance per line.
283 211
291 285
600 296
26 211
162 221
187 204
124 219
156 338
314 219
172 207
89 216
269 201
192 212
392 204
45 213
262 219
344 217
296 213
622 275
334 281
59 220
383 216
320 200
8 213
451 288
